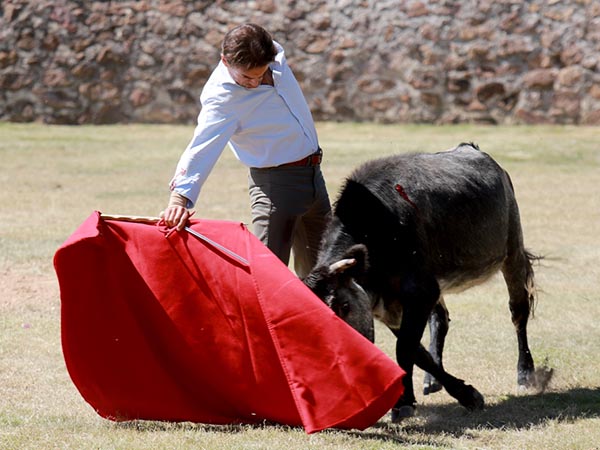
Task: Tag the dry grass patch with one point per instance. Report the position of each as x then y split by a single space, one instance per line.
52 178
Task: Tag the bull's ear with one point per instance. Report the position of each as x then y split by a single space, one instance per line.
360 255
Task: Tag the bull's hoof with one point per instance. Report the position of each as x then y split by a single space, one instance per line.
526 379
431 387
538 380
404 412
474 401
467 396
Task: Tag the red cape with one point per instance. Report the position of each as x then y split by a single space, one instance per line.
167 326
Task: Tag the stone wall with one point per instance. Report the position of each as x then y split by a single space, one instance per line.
431 61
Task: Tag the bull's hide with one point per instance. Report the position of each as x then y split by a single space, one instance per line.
165 326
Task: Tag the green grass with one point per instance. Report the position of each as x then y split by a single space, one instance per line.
52 178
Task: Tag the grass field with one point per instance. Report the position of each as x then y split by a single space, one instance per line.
52 178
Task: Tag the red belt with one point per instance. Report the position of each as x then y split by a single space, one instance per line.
309 161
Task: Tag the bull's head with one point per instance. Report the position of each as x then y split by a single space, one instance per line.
337 284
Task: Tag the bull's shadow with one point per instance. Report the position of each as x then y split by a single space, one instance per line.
516 412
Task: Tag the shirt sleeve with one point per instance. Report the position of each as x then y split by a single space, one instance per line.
215 127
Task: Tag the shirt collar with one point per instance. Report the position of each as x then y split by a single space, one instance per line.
224 74
277 65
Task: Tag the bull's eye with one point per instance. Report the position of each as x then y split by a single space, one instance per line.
345 308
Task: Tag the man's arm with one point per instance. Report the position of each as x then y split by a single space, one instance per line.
215 126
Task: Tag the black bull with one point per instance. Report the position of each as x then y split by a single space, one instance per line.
409 228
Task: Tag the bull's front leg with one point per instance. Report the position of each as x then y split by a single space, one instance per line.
406 404
418 300
466 394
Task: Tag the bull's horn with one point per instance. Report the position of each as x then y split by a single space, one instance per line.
340 266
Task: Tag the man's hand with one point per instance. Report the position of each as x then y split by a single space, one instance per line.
176 214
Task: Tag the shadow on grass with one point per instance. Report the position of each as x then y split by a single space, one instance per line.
154 425
435 423
515 412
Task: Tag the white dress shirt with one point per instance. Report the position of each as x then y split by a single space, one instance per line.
265 126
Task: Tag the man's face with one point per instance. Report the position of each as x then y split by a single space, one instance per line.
248 78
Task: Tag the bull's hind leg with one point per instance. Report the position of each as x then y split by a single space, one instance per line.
518 274
438 329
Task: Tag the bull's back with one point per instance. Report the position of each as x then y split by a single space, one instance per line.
459 203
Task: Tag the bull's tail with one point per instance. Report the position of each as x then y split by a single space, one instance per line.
530 285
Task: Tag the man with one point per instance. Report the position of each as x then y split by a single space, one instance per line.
253 102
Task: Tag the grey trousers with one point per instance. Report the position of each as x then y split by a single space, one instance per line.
290 209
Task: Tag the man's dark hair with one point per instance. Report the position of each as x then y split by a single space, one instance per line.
248 46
